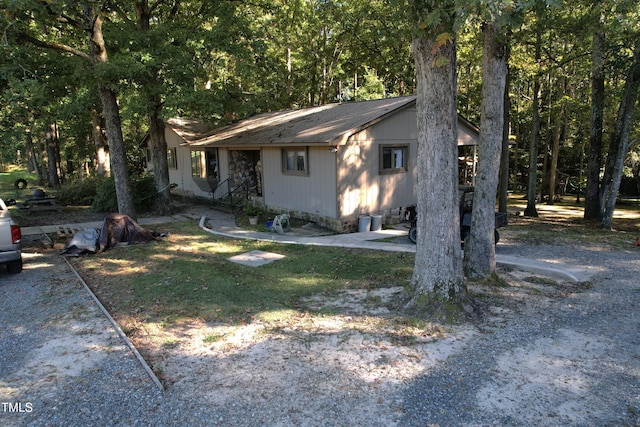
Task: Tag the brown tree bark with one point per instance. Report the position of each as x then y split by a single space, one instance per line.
620 141
503 186
438 272
52 171
479 250
158 146
592 206
34 159
158 142
102 163
111 110
532 193
555 143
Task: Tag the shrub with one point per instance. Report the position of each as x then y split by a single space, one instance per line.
143 189
78 192
105 199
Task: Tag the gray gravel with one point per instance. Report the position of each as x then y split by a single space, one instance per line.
103 384
605 390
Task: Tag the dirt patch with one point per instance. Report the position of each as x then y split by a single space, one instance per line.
301 362
350 345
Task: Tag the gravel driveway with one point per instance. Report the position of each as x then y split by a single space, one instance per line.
572 359
569 358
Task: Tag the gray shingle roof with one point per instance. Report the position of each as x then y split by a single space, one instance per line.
326 124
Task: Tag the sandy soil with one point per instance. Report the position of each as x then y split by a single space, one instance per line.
355 362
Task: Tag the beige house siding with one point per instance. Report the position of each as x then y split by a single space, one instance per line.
223 170
313 194
344 142
182 174
362 189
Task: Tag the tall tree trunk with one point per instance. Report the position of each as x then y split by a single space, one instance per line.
437 275
56 151
555 143
532 192
43 164
159 161
93 26
117 153
52 176
503 187
592 206
479 250
158 142
33 156
620 142
101 160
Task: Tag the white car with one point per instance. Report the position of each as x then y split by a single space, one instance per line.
10 241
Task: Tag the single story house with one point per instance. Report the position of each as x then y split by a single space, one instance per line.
329 164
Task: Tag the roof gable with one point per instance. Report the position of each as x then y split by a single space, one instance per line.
188 129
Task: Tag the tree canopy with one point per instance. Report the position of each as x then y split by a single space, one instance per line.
225 60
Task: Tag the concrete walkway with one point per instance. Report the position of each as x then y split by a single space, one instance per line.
223 224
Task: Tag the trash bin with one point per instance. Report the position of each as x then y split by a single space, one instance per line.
376 222
364 223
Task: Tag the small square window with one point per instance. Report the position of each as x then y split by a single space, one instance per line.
394 158
295 161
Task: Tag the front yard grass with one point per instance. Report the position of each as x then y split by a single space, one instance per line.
188 276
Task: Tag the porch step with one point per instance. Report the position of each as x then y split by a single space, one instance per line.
227 207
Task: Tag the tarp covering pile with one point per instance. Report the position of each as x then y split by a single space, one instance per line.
117 228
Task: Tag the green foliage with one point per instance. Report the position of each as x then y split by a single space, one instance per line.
105 199
252 210
143 192
8 176
79 192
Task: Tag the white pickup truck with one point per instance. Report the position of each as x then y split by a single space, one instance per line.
10 241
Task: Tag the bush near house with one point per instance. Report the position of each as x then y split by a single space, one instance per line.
144 194
79 192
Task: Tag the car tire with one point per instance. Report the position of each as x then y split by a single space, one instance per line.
20 183
14 267
413 234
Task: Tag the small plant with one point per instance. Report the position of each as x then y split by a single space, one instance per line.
212 338
252 210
